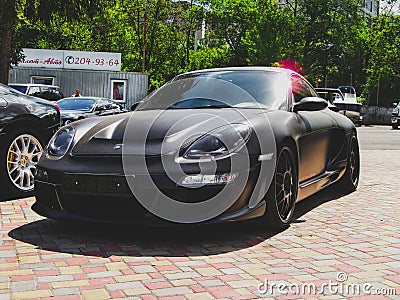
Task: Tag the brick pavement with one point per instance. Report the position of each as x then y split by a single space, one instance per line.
355 234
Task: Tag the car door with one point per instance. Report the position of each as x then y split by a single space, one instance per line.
314 142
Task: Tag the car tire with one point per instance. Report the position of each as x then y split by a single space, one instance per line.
19 154
282 194
395 126
349 182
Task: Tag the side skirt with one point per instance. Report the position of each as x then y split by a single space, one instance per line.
315 184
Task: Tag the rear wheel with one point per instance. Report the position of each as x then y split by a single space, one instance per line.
281 197
350 179
18 159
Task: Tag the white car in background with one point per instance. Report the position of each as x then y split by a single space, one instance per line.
48 92
349 105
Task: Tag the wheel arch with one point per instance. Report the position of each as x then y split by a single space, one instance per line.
29 122
290 142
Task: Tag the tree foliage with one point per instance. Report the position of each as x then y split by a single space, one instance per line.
333 41
383 69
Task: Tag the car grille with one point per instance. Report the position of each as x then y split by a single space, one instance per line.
93 184
100 196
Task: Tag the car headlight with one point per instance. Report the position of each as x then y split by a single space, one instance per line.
60 142
219 143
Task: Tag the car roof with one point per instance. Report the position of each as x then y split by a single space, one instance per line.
336 90
255 68
34 84
87 98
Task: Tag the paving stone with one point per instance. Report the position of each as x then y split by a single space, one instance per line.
22 286
171 291
104 274
66 291
55 278
124 286
212 282
345 233
182 275
95 294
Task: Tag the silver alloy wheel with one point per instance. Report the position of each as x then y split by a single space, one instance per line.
22 156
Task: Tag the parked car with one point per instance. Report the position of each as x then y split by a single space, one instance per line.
209 146
26 125
48 92
78 108
330 95
395 119
349 92
345 104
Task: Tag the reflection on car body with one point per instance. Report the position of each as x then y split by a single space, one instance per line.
212 145
77 108
26 124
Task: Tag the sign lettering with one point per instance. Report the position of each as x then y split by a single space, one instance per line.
66 59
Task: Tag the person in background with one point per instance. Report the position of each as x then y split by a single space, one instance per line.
77 93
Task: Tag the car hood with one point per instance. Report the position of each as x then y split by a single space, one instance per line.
153 132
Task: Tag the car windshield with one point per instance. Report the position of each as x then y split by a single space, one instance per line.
221 89
20 88
347 90
81 104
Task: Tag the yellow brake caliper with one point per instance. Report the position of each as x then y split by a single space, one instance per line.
11 157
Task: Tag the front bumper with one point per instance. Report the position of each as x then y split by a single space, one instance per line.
107 198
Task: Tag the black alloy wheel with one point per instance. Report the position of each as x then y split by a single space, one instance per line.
349 182
281 198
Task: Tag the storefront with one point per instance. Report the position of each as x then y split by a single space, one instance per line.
93 73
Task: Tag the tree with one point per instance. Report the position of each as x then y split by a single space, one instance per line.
383 67
326 31
330 39
7 20
12 12
268 41
230 21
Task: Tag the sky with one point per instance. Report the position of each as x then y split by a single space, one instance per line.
394 7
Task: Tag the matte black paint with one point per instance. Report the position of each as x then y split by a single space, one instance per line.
320 138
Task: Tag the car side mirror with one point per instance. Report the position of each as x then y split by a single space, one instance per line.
101 108
134 105
310 104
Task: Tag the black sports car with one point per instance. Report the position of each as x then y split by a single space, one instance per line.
78 108
26 124
209 146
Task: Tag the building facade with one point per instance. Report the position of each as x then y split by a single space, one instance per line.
370 8
93 73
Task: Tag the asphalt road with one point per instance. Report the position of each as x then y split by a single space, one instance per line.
340 246
378 138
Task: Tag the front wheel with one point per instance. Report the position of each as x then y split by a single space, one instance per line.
22 151
282 194
395 126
